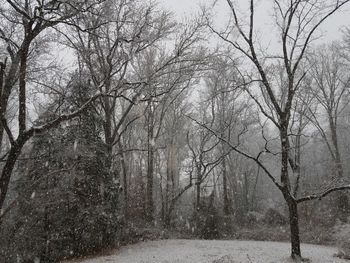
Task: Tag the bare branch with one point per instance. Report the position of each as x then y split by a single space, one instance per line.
324 194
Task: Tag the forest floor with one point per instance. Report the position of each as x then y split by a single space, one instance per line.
213 251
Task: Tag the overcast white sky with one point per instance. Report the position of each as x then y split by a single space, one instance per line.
331 29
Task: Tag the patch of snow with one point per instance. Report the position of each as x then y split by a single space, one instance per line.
215 251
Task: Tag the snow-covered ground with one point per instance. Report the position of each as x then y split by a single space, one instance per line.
201 251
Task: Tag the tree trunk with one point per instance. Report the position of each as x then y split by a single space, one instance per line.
8 168
198 195
334 135
167 215
8 82
294 229
149 190
150 165
297 161
171 180
107 128
2 77
198 188
22 90
125 180
254 202
286 191
246 193
341 197
167 190
224 182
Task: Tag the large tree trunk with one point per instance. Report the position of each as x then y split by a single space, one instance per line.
16 146
287 192
8 168
7 83
294 229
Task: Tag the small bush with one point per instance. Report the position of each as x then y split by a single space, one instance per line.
273 217
341 234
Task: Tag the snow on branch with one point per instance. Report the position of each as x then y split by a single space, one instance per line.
324 194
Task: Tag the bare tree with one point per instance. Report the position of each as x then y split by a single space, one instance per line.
330 89
225 90
175 155
125 54
167 75
204 147
127 28
297 22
